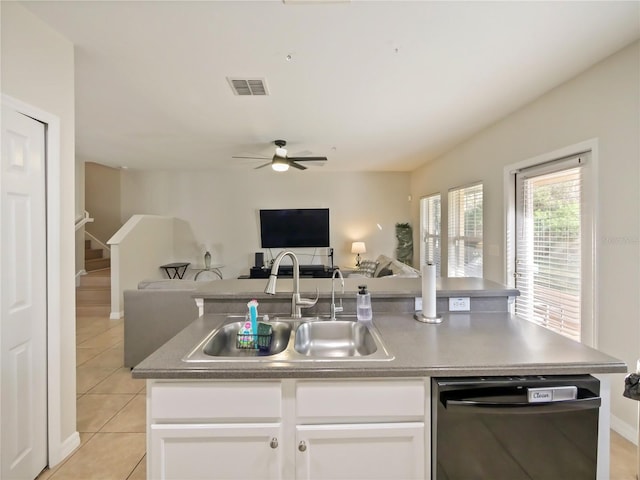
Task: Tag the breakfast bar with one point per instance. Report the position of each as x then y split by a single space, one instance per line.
351 417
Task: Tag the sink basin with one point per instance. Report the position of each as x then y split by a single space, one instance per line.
307 339
334 339
222 343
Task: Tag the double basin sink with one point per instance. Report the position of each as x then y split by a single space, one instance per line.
295 339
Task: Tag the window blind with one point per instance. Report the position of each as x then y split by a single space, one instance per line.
430 225
465 232
548 248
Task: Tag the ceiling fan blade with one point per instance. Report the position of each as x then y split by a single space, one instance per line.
263 165
251 158
303 153
308 159
295 165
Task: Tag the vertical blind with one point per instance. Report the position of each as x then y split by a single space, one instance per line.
548 248
465 232
430 231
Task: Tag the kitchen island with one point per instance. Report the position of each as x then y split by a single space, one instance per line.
339 417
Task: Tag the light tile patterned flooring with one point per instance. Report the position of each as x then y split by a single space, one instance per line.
111 408
624 458
111 413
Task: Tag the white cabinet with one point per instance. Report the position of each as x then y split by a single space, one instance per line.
360 451
204 430
205 451
361 429
307 429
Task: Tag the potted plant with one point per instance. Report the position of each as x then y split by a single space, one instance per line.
404 250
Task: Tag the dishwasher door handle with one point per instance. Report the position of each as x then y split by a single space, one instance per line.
523 408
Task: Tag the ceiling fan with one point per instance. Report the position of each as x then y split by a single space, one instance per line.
281 161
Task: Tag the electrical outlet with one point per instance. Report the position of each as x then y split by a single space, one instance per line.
418 305
459 304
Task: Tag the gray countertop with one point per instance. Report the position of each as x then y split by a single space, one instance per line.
469 344
381 287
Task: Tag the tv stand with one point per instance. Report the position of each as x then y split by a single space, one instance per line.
286 271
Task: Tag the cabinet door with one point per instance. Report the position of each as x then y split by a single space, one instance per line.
360 451
205 451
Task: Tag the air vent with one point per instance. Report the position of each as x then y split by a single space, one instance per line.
248 86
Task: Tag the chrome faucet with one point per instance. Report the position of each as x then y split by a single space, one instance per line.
297 303
335 309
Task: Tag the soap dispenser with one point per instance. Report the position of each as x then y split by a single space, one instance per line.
363 304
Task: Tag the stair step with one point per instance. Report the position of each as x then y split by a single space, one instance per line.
95 280
93 310
91 253
93 296
97 264
104 272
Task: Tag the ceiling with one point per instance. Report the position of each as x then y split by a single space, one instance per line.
374 86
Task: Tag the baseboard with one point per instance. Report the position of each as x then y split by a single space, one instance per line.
65 449
625 430
116 315
79 276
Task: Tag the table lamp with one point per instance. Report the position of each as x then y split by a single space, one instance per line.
358 248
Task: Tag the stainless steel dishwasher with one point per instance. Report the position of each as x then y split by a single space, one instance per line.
510 428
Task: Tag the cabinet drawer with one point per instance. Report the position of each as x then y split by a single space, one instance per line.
223 401
402 399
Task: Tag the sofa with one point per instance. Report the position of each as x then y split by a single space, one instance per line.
155 313
384 266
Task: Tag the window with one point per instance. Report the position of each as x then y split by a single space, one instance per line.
465 232
430 231
549 245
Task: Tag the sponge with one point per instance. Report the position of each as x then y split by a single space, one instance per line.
265 331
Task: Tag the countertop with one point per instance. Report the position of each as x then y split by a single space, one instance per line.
464 344
381 287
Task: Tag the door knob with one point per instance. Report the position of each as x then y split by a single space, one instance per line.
274 443
302 446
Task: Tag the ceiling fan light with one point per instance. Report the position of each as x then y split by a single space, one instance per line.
281 152
280 164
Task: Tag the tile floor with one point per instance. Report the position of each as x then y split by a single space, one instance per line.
111 413
110 408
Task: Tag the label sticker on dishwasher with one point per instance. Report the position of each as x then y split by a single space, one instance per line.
551 394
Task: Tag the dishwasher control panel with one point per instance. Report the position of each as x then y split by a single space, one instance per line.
551 394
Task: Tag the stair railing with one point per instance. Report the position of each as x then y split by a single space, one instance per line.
106 249
80 221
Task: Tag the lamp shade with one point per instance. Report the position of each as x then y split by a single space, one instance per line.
358 247
279 164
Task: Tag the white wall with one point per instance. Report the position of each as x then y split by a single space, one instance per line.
79 238
222 208
38 69
602 103
137 250
102 200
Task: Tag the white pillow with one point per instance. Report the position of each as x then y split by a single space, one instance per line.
367 268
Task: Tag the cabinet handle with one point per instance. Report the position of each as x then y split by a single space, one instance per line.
274 443
302 446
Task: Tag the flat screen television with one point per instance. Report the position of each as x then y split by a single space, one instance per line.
294 228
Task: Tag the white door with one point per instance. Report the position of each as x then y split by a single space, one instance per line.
388 451
221 451
553 253
23 325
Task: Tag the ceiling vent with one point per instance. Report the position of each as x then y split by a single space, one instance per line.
248 86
